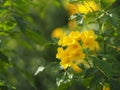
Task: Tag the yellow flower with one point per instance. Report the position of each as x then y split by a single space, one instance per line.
76 52
76 68
70 51
88 6
75 35
72 55
60 53
72 59
70 39
66 62
72 8
57 33
65 40
85 7
78 56
74 46
88 40
64 56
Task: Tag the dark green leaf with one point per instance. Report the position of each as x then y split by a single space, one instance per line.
3 57
6 86
90 72
115 84
20 22
35 37
95 80
64 86
104 66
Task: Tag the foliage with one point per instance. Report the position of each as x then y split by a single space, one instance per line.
25 44
27 49
97 67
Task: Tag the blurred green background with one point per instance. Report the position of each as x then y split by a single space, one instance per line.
26 44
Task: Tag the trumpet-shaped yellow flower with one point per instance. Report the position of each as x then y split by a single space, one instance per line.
88 38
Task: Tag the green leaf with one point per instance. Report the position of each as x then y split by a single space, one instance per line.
95 81
64 80
64 86
115 84
6 86
3 57
35 37
55 41
107 3
20 22
113 19
25 43
104 66
90 72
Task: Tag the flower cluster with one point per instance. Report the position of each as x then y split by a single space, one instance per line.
71 48
81 8
84 7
